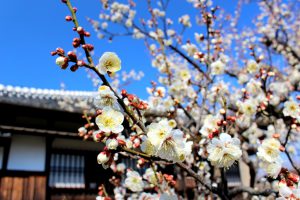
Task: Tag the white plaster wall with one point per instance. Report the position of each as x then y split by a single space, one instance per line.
76 144
27 153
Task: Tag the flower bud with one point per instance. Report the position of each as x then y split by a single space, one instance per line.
74 68
293 177
68 18
80 30
80 63
60 51
72 56
222 111
87 34
60 61
102 158
124 93
82 130
74 9
112 144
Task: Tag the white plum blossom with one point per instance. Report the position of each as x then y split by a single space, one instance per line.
110 120
291 108
60 61
149 175
134 181
269 150
185 20
217 67
273 168
252 66
269 154
190 48
224 151
166 142
105 97
109 62
248 107
209 125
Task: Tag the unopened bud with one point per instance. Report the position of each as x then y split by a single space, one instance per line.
80 63
80 30
68 18
222 111
294 126
74 68
276 135
72 55
102 158
60 51
87 34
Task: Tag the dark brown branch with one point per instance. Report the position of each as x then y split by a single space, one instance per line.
236 191
101 76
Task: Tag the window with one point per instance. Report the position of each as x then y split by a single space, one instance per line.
233 176
67 171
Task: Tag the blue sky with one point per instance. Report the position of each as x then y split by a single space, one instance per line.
31 29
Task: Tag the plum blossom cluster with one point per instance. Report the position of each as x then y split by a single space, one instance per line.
166 142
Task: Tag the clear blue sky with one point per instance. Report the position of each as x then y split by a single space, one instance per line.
31 29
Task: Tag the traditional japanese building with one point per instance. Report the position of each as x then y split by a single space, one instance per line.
41 154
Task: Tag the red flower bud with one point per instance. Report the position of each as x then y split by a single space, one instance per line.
219 123
74 68
60 51
293 177
121 142
64 1
124 93
68 18
72 56
74 9
53 53
216 132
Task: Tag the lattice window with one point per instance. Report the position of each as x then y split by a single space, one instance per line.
67 171
233 176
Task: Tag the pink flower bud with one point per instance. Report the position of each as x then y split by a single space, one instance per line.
80 63
87 34
68 18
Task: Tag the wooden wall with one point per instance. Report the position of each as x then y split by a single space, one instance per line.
23 188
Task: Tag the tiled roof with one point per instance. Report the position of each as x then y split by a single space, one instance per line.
65 100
